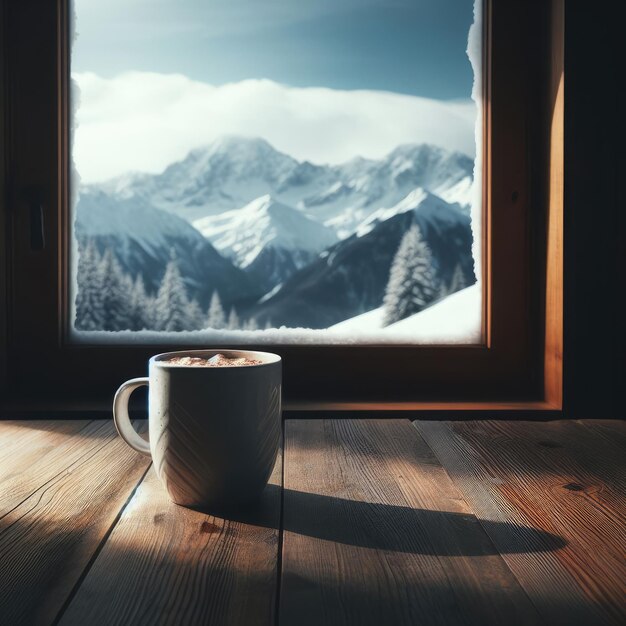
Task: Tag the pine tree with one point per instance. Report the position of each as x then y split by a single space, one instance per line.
458 281
89 304
197 318
251 324
150 313
233 319
171 307
412 283
139 315
215 316
115 294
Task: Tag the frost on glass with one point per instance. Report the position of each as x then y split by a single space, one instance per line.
256 211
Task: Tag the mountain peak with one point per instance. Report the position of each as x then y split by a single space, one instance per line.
268 205
243 233
234 142
418 200
262 203
233 156
234 147
421 153
413 149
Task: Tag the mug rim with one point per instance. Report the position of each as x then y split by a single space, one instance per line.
159 360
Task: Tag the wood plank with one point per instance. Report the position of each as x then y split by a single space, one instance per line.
23 442
174 565
47 540
557 477
34 454
376 533
553 290
613 432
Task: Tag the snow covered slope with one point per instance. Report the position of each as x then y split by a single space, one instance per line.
143 239
267 238
457 319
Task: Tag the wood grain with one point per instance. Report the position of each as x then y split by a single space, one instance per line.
376 533
530 530
47 540
555 105
174 565
559 477
21 441
613 432
32 453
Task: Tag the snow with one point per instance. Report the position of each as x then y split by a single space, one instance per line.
369 186
411 202
232 172
417 200
460 193
97 216
271 293
244 233
475 55
372 320
456 319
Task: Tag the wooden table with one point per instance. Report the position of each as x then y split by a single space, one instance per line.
364 522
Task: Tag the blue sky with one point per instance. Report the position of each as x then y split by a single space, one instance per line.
407 46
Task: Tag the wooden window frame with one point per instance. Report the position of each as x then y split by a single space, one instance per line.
518 367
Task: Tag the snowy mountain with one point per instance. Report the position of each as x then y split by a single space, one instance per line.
143 238
226 175
366 186
267 238
419 198
289 243
350 277
234 171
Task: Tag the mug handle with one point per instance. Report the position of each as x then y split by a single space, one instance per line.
121 418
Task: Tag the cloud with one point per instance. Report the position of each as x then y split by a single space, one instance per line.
141 121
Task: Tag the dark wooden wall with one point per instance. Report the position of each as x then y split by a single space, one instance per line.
595 238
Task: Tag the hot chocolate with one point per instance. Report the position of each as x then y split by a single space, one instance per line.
218 360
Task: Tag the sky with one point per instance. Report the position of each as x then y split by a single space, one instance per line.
407 46
322 80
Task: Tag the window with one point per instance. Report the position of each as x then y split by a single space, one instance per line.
308 174
520 264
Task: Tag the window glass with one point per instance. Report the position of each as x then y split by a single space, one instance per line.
276 172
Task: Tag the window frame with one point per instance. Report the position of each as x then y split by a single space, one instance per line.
518 367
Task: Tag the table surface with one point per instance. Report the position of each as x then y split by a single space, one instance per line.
363 522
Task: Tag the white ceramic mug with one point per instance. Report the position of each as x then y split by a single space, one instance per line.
214 432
